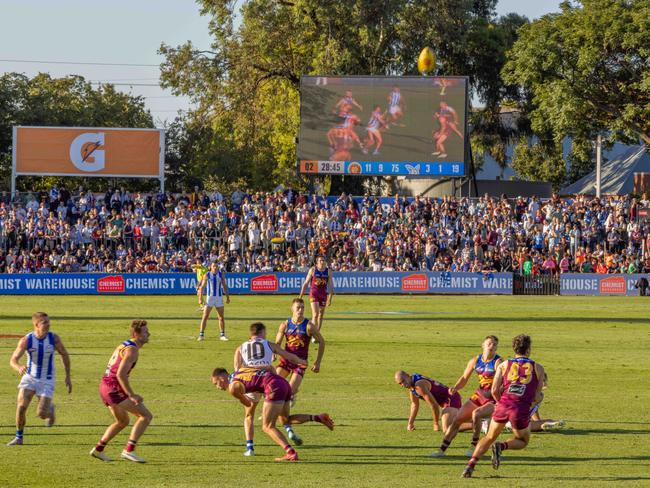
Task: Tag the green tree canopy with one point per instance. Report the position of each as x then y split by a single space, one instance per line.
246 87
585 70
69 101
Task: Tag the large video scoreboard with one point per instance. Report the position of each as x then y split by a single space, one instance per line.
383 126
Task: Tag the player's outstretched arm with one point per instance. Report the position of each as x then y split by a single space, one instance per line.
237 360
237 390
497 383
65 357
287 355
305 283
462 381
425 392
130 356
415 407
279 337
313 331
18 353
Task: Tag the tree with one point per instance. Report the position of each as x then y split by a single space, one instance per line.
68 101
246 87
586 71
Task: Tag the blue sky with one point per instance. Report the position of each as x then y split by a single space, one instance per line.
121 31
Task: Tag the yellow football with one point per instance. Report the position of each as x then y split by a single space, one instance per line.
426 60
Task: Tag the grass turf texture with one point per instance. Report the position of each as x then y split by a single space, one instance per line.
595 351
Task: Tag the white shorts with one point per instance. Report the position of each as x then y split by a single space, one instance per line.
41 387
394 110
214 301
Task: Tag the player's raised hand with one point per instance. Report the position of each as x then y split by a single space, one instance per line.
68 384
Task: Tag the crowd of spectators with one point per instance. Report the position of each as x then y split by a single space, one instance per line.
62 231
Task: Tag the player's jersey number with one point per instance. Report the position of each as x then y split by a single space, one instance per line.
521 373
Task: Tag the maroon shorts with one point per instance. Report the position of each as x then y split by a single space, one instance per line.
291 367
454 401
481 398
518 415
277 389
322 302
111 394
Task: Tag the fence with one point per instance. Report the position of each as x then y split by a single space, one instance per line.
535 285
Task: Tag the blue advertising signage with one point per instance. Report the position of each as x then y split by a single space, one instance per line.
254 283
599 284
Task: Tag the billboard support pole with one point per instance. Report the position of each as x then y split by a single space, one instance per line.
13 161
472 177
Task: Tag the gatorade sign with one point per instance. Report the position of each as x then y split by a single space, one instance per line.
88 151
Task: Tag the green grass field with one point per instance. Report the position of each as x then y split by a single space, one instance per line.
595 351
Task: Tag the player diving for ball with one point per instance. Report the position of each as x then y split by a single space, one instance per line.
297 331
444 406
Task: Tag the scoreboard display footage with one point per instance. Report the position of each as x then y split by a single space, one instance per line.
383 126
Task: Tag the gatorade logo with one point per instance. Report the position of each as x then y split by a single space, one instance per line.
264 283
110 284
415 282
85 152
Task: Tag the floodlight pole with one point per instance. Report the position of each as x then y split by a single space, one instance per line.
599 157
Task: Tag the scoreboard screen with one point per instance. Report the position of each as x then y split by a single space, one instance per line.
383 126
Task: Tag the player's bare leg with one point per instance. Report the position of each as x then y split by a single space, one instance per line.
546 425
249 429
270 414
45 410
204 322
22 404
294 382
440 145
462 415
121 417
478 416
140 425
317 318
448 416
222 323
482 447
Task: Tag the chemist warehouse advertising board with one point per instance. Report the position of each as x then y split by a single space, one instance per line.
252 283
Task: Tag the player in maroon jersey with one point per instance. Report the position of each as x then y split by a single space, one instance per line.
298 330
443 405
481 404
517 386
117 394
277 392
321 290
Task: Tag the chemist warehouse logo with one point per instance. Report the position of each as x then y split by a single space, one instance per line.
264 283
612 285
415 282
110 284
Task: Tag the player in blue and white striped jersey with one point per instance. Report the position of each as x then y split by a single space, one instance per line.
214 282
38 376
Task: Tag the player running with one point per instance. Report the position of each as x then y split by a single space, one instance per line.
117 394
201 270
215 282
395 107
277 393
320 278
516 387
375 123
298 330
481 404
435 394
38 376
448 119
